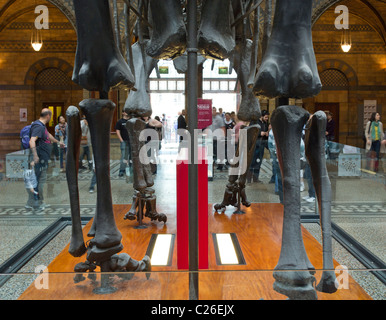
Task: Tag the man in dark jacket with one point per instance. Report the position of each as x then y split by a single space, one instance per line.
261 144
181 123
124 139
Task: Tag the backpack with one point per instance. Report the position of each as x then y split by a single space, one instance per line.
25 136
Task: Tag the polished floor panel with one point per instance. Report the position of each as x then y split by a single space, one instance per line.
259 235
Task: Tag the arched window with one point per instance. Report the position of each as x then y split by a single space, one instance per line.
52 79
334 79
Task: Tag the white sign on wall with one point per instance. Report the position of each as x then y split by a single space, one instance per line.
23 115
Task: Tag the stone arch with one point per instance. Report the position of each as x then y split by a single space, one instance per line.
45 63
319 7
343 67
67 8
334 79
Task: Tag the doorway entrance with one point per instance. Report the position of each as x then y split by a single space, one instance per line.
57 109
334 109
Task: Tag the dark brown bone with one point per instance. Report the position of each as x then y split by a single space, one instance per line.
99 64
77 246
215 35
292 277
107 240
143 177
138 102
168 35
289 65
250 107
315 152
236 183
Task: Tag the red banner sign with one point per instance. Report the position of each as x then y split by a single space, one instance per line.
204 113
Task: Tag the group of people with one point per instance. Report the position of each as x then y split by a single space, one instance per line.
123 136
43 145
43 148
266 140
225 120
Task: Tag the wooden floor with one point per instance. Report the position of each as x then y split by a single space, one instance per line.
259 234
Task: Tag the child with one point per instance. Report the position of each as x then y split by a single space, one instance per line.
31 184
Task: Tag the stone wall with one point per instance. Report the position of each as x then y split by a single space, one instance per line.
19 66
364 67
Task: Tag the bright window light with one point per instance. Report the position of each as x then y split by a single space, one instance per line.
161 251
226 249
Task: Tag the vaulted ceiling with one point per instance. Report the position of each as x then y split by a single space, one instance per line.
10 10
371 11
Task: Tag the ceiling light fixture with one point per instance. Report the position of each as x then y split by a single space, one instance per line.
346 42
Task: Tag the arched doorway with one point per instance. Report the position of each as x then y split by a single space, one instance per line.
50 80
52 89
333 79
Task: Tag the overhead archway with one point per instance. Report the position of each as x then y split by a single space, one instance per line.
343 67
46 63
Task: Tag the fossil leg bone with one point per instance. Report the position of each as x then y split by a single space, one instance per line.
252 134
292 274
77 246
249 107
107 240
138 102
236 182
315 152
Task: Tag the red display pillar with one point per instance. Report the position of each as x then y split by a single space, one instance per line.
183 209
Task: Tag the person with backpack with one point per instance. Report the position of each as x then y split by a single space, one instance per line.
25 136
40 144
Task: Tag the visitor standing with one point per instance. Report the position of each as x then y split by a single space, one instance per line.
61 135
237 127
374 137
124 139
261 145
219 134
229 122
229 132
330 127
181 123
330 135
41 146
85 145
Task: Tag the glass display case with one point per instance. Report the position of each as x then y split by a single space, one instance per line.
33 239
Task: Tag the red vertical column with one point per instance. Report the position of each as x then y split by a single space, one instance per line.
203 260
183 210
182 181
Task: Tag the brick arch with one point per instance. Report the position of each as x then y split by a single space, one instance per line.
320 6
67 8
45 63
343 67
